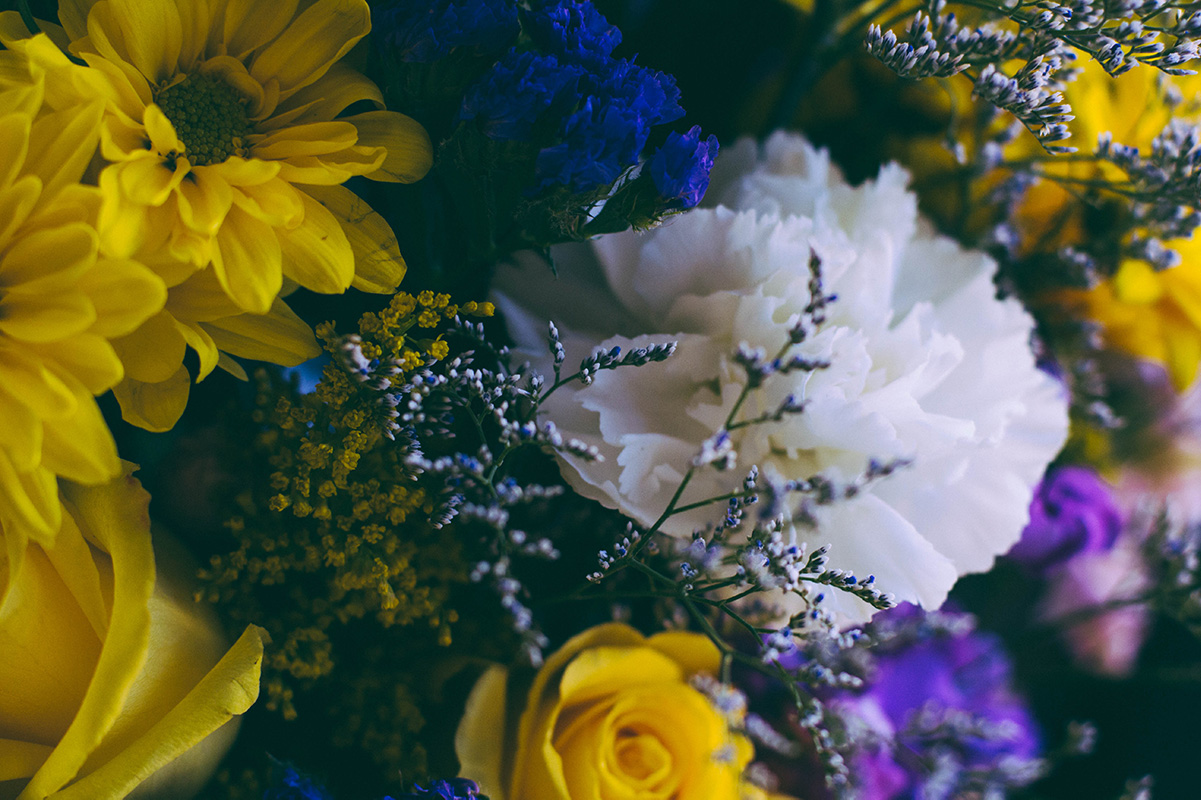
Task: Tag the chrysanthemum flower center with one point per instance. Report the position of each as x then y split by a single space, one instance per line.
209 117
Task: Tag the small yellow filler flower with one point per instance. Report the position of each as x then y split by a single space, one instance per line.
61 302
224 157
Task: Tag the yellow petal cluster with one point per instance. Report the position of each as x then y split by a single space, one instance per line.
611 715
62 300
223 152
120 677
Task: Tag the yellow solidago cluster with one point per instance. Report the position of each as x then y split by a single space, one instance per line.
341 529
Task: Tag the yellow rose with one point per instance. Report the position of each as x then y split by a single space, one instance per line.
108 677
611 716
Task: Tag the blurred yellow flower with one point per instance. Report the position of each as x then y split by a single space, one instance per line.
120 677
225 157
610 715
1149 314
61 301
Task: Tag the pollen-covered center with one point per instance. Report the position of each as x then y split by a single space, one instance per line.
209 117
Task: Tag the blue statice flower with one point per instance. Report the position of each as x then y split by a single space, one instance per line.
938 710
606 135
453 789
423 31
289 783
1073 512
522 88
572 30
680 168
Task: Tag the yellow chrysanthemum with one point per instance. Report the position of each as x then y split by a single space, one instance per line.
61 302
1149 314
1153 315
224 157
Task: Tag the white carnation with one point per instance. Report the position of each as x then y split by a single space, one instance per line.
927 364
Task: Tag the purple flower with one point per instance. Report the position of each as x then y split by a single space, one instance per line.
939 705
423 31
1073 511
680 168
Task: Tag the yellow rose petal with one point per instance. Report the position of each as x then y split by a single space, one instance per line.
229 689
479 744
115 516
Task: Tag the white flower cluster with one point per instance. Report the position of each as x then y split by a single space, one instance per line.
926 364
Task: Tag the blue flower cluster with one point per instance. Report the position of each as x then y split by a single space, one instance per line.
453 789
595 112
289 783
422 31
680 168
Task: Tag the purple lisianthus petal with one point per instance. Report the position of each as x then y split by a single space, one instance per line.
1073 511
919 694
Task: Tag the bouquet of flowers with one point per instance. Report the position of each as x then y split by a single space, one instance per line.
599 399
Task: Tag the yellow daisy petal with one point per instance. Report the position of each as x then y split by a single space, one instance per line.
250 24
29 501
154 352
204 200
14 142
410 154
248 261
319 36
317 255
16 205
310 139
378 263
81 448
279 337
154 406
38 386
326 98
22 431
124 293
45 261
152 33
63 145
